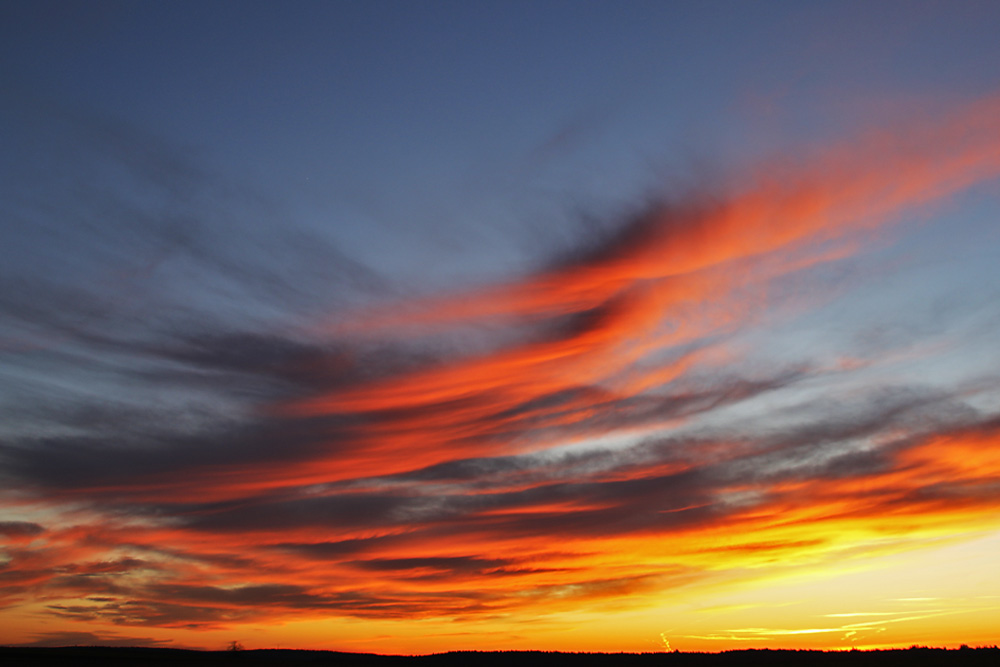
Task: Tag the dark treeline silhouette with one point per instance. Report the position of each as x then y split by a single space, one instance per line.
95 655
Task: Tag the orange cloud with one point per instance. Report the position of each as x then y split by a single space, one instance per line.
453 488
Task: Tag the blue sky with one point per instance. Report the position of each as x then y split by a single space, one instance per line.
347 262
370 120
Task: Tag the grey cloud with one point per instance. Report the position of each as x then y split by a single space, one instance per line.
444 565
130 461
78 638
151 612
339 549
346 510
20 529
250 595
304 365
203 607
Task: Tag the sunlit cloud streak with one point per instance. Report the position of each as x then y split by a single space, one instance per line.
576 453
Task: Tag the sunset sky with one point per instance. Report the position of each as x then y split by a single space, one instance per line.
407 327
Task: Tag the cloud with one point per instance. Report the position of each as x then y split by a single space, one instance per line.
530 445
20 530
77 638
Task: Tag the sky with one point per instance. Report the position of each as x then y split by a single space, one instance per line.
407 327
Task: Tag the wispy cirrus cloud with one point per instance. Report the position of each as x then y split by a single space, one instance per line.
368 465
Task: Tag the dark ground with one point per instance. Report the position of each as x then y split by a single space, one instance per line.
85 656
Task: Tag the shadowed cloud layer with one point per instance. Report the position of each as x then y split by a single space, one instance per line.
214 447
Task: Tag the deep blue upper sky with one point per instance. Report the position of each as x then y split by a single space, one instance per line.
437 141
464 116
257 164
